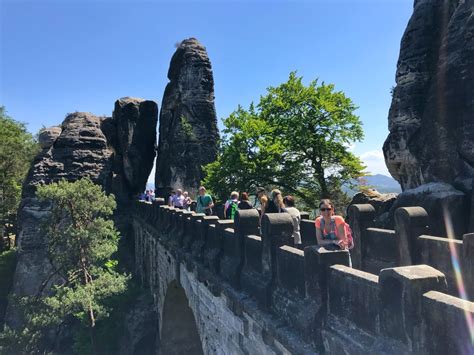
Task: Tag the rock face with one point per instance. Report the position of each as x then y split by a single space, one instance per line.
188 124
77 148
47 136
381 203
134 123
445 205
106 150
431 117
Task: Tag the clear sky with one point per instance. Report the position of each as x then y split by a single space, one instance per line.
65 56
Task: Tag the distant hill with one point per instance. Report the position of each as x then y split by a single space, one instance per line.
383 183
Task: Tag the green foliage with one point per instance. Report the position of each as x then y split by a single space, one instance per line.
81 242
7 267
17 150
296 138
187 128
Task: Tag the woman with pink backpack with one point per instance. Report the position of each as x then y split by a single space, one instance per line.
332 232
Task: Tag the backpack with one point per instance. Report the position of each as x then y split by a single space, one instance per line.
347 230
231 210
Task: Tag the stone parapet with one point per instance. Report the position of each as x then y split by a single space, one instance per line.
314 294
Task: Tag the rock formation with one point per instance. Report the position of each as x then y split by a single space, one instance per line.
188 124
134 122
431 117
116 153
380 202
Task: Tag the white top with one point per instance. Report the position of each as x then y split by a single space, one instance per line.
296 217
177 201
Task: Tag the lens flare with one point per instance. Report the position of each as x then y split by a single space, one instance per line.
457 270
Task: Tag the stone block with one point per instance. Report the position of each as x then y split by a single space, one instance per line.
191 230
436 252
213 250
379 249
308 232
253 281
467 262
290 270
199 242
246 222
276 229
446 329
317 263
401 291
224 223
360 217
177 239
232 258
353 296
289 299
410 223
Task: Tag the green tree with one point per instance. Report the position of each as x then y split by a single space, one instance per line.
17 150
296 138
81 242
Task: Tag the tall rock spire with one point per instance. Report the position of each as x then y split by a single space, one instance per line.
188 132
431 119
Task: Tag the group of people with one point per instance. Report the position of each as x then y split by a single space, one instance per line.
148 195
331 229
180 199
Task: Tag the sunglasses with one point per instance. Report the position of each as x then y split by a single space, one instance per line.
325 209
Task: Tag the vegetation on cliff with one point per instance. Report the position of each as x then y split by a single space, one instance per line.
81 243
17 150
296 138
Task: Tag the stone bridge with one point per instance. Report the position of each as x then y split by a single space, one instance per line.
227 287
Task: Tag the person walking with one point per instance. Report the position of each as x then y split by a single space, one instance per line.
231 205
244 203
204 202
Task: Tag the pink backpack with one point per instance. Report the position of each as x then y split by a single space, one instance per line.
347 230
350 240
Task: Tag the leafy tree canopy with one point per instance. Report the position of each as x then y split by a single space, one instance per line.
17 150
296 138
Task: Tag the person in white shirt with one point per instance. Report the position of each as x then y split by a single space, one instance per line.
289 202
177 200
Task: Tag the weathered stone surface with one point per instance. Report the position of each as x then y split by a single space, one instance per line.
141 328
444 204
79 150
430 120
188 124
106 150
381 203
311 304
48 136
135 126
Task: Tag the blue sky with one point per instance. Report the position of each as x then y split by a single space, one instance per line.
65 56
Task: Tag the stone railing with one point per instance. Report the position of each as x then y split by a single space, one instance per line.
402 309
408 244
